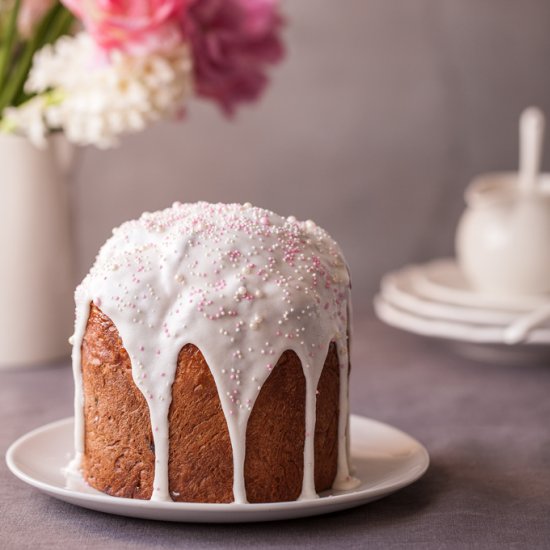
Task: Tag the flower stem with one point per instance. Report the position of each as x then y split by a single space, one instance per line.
60 26
8 46
55 23
61 23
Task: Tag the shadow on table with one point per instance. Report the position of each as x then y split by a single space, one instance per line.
136 533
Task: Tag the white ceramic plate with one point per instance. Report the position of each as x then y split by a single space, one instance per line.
413 306
385 459
442 281
482 343
400 288
463 332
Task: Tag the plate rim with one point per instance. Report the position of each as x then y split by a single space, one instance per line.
394 289
431 327
466 297
347 498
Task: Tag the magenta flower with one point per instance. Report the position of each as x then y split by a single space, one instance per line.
233 43
133 26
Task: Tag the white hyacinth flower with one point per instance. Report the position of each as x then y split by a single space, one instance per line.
29 118
97 99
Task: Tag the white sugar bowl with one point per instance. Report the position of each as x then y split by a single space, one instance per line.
503 238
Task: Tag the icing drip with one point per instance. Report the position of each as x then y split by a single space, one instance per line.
243 285
344 480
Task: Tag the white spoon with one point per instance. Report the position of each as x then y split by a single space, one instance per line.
531 136
518 331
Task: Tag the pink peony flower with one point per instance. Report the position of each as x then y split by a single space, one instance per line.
31 12
133 26
233 42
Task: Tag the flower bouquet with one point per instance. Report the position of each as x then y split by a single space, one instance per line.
87 72
98 69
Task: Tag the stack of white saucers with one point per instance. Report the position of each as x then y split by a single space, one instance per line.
435 300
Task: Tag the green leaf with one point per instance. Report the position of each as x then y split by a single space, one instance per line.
8 45
60 25
13 92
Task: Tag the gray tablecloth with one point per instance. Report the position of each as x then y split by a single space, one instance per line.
487 429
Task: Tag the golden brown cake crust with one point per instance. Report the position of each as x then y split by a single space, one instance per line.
200 468
118 443
274 464
326 424
119 453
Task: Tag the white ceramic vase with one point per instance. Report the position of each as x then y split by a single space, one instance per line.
36 268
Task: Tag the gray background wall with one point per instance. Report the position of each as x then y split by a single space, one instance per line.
381 114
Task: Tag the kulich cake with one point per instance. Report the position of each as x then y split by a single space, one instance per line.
211 359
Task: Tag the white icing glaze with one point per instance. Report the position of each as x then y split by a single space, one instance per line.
243 285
